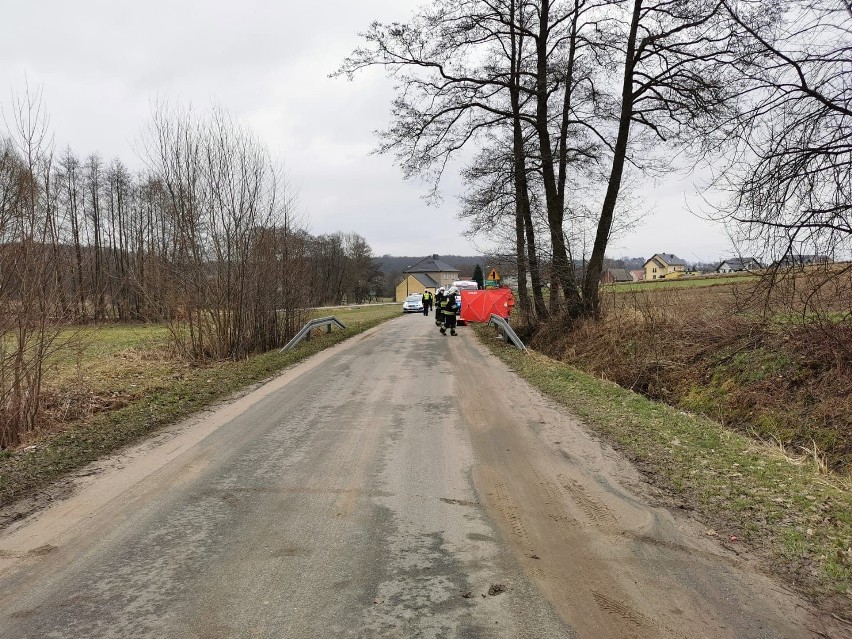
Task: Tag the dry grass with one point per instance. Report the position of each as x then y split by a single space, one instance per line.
780 504
775 363
120 382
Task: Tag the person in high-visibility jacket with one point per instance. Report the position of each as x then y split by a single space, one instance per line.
440 296
427 302
449 311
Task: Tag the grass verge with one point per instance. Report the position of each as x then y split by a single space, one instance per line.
680 282
165 392
798 519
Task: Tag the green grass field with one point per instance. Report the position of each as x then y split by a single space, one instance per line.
114 384
682 282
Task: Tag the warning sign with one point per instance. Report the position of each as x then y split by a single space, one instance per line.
493 280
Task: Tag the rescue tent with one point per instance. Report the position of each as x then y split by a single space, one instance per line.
477 306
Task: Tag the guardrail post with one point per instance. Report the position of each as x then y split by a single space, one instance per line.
509 335
305 333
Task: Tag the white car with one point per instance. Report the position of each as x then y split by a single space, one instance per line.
466 285
413 303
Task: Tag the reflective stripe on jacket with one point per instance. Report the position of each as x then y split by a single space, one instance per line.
450 306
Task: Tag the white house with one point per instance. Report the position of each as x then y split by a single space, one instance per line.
736 264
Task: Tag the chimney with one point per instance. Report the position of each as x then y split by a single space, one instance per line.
434 256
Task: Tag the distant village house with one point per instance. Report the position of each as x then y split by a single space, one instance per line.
664 266
427 274
737 264
613 275
800 261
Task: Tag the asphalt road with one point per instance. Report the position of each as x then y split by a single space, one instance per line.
401 484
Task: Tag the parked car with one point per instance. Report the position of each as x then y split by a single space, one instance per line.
413 303
466 285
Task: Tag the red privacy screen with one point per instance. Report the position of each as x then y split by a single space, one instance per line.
477 306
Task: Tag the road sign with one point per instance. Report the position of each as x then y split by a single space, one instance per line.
494 275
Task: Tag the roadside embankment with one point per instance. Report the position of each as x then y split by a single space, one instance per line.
770 365
752 497
124 382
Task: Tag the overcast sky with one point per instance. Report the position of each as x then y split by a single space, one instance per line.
101 63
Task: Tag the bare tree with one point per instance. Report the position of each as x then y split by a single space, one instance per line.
206 239
790 175
225 204
500 206
69 179
678 78
30 300
465 68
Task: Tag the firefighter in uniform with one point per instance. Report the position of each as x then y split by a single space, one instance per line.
450 310
439 307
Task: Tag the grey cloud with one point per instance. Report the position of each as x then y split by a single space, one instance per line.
102 62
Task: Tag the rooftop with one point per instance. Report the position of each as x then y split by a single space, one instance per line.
670 259
431 264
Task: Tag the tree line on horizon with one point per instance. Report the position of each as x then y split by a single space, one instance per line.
565 104
204 239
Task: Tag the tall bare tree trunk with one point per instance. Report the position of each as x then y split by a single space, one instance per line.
563 272
72 186
524 230
94 187
591 283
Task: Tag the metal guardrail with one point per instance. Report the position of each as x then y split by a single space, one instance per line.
364 305
305 333
508 334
